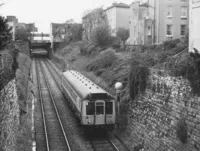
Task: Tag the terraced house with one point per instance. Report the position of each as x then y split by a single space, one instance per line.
154 21
64 32
117 16
13 22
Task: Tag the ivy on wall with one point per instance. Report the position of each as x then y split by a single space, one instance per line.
138 78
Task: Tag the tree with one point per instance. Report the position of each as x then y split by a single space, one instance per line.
91 19
101 35
123 34
74 32
5 33
22 34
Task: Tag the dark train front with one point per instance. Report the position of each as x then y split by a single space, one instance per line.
94 106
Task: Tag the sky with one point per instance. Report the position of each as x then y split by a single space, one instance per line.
43 12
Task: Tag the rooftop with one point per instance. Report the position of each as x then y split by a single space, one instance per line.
121 5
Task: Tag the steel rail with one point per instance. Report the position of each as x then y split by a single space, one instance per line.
53 74
52 99
46 61
122 142
96 146
114 146
42 107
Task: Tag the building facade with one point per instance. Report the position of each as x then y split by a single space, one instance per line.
141 24
12 19
172 17
155 21
13 22
194 24
57 32
65 32
117 16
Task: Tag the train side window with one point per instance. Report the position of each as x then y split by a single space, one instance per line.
109 107
90 108
99 108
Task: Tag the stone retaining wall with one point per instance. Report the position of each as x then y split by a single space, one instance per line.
166 117
9 117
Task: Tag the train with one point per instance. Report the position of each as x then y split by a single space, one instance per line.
194 26
94 107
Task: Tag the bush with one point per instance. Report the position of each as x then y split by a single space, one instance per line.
181 131
160 58
87 48
119 72
104 60
123 34
115 42
147 58
187 66
169 44
101 35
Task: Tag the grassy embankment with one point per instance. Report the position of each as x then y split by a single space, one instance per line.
24 140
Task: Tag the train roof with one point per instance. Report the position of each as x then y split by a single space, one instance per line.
84 87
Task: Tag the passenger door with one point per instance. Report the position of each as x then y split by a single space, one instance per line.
100 112
110 112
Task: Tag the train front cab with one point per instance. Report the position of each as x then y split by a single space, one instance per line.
99 114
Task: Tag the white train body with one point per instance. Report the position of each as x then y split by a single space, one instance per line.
94 106
194 26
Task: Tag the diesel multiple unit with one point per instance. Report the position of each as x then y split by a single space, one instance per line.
94 106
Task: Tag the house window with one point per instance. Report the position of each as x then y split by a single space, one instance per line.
134 30
169 10
169 30
144 14
183 30
149 30
169 38
183 12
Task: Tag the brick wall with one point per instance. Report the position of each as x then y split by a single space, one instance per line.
154 116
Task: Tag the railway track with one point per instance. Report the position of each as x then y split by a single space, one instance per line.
105 143
55 136
38 120
70 123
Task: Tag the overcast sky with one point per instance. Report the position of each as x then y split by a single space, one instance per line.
43 12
